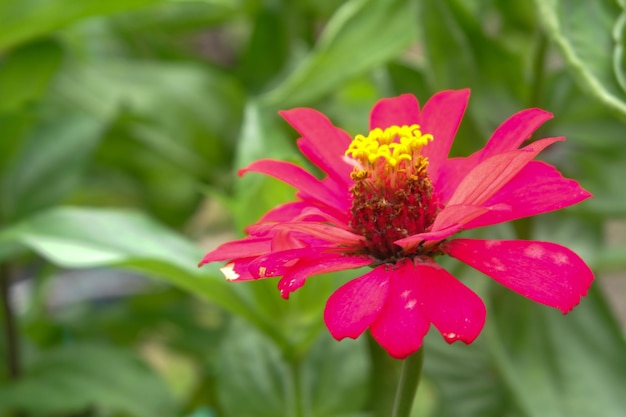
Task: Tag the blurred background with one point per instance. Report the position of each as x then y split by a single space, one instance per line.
122 125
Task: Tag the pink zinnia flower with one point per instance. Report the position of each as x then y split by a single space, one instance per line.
392 199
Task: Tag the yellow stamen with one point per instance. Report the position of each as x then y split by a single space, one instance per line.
394 144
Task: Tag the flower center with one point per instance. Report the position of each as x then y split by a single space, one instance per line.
392 195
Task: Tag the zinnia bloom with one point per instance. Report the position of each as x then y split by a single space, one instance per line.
392 200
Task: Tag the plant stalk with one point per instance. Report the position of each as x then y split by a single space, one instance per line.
407 386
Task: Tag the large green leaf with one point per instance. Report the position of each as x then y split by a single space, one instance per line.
187 113
47 161
75 378
583 32
361 35
559 366
460 54
464 379
261 137
26 72
171 125
328 382
88 238
22 20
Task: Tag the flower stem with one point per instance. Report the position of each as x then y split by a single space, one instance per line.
384 375
407 386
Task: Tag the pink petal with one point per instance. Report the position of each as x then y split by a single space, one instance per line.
456 215
276 263
284 212
322 143
545 272
322 231
297 275
508 137
514 131
238 249
455 310
286 240
449 221
400 327
441 118
412 241
399 111
354 306
492 174
452 172
237 270
537 188
310 187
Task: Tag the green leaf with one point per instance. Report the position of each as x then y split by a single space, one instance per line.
75 378
361 35
464 380
261 137
89 238
254 379
27 19
334 377
583 32
459 54
619 57
267 49
49 163
26 72
555 365
330 381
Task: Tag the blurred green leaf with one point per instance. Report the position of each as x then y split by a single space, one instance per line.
619 57
360 35
26 72
49 162
26 19
254 379
464 378
76 378
556 366
331 380
261 137
459 54
334 377
82 238
180 110
171 127
583 32
266 51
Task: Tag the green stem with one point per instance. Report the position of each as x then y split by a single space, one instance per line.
384 375
407 386
10 328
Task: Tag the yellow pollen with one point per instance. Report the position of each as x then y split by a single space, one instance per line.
394 144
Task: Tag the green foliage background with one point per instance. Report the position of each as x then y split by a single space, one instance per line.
122 124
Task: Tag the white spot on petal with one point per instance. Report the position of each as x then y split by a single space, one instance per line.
560 258
492 244
229 272
496 264
405 294
411 304
535 251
